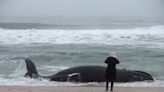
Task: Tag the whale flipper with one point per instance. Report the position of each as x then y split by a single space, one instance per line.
72 77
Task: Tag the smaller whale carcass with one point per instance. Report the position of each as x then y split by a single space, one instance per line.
90 73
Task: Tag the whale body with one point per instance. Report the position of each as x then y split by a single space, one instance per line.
90 73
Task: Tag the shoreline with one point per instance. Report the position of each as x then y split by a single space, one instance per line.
77 89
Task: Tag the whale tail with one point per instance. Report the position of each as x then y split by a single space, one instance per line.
31 69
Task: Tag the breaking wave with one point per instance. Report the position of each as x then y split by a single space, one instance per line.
145 35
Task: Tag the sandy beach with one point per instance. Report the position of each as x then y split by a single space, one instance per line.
76 89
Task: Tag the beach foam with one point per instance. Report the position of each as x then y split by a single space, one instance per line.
22 81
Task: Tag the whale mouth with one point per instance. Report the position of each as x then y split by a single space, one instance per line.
140 76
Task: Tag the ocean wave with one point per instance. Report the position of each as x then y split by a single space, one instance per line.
22 26
144 35
22 81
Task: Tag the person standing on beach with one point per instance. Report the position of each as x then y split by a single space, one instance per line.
110 74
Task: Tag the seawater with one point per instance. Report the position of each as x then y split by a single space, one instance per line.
52 50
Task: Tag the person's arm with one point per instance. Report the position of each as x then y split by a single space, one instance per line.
106 61
117 62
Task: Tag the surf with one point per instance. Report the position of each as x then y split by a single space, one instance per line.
137 36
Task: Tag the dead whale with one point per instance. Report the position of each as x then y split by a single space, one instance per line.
90 73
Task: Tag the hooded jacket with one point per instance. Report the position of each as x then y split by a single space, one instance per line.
110 73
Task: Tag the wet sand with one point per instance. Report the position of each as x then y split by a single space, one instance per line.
77 89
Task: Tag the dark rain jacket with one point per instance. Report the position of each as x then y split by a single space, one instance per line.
110 73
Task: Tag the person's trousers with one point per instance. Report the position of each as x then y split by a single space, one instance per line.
112 83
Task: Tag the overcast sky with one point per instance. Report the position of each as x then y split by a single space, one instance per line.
50 8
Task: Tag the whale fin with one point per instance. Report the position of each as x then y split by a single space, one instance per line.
74 77
31 69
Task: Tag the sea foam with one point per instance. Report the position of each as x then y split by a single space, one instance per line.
22 81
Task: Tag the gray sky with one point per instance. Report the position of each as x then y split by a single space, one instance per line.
50 8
